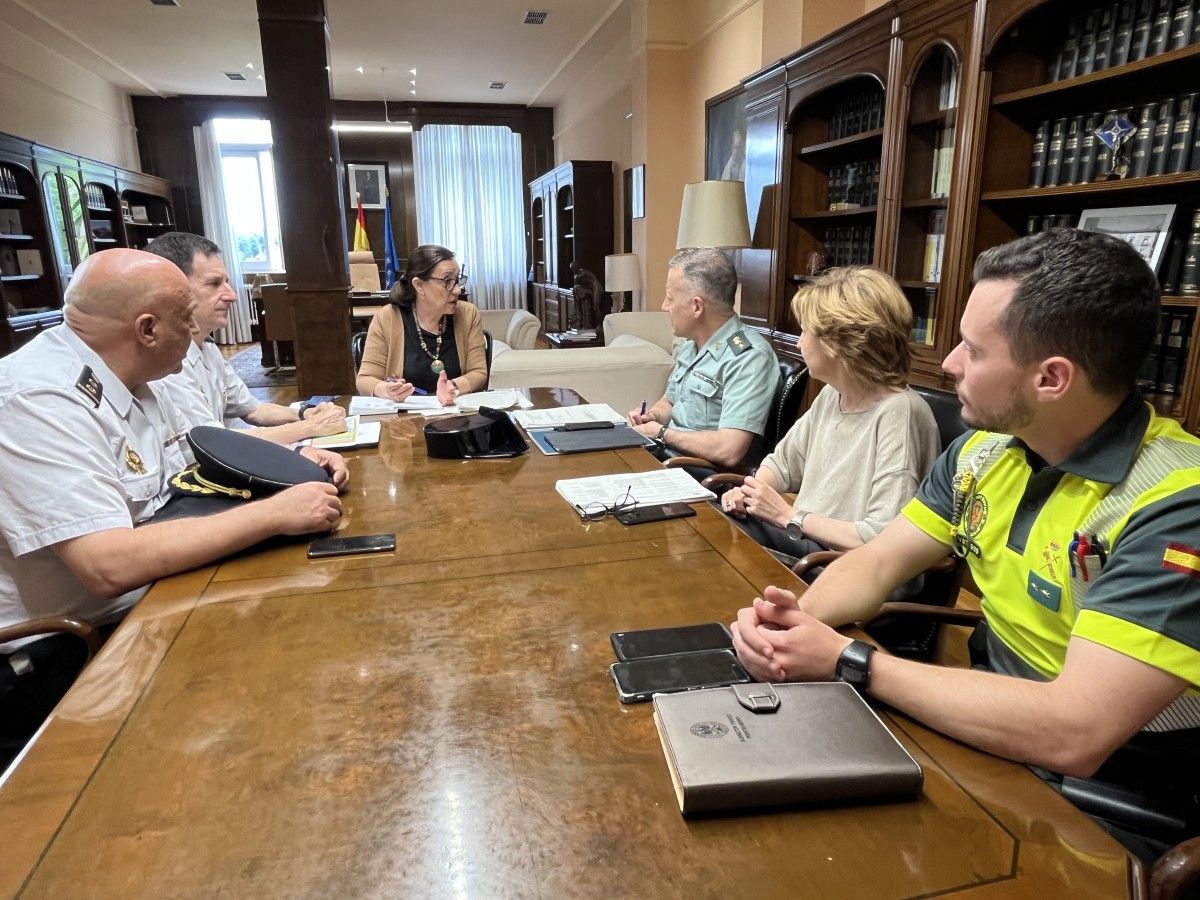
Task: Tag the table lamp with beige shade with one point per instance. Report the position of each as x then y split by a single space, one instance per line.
622 272
714 215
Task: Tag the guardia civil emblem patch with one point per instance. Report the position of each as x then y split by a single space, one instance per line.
976 515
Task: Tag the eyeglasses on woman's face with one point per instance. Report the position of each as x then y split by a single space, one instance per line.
450 282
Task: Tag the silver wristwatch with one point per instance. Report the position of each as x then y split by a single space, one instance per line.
795 525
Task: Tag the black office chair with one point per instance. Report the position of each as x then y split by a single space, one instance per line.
61 673
357 342
487 350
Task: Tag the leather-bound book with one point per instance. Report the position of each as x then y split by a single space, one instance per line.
1183 134
1054 152
1189 278
1070 50
1088 147
1164 127
1037 164
823 744
1160 30
1182 19
1069 173
1106 18
1122 33
1142 143
1085 64
1139 45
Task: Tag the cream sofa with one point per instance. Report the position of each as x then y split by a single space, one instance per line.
516 328
628 370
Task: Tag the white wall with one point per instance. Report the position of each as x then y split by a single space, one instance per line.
47 98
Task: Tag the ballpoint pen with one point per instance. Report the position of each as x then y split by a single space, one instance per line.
643 407
392 379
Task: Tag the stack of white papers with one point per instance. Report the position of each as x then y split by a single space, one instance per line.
644 488
533 419
374 406
357 434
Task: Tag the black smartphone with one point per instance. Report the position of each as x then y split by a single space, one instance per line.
584 426
344 546
661 641
657 513
639 679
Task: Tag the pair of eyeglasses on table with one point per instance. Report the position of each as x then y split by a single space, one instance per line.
597 511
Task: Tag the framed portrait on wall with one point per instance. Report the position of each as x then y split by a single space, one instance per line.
368 182
725 137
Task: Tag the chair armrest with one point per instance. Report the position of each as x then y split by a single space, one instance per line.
677 462
947 615
1175 870
817 558
54 625
724 481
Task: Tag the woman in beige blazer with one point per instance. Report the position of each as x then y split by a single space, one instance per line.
428 339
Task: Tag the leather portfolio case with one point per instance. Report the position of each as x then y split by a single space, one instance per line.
755 745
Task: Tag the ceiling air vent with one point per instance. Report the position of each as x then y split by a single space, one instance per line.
235 76
536 17
498 85
164 2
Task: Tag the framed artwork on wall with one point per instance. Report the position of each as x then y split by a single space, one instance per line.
367 182
725 137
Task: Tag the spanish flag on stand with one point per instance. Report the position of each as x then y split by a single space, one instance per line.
360 229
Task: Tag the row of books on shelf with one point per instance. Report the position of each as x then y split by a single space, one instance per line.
1112 34
1069 151
857 113
8 181
943 162
1165 369
1180 272
94 195
854 184
935 245
849 245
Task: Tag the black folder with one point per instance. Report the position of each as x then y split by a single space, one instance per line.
615 438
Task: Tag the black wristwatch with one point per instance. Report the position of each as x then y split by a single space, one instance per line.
303 410
660 438
854 666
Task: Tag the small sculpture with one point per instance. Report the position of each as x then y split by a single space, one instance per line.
591 304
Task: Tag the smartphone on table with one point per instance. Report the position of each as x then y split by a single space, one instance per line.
323 548
661 641
655 513
638 680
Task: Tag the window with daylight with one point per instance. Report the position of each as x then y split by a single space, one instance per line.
248 177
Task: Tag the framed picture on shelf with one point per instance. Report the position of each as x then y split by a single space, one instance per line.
367 182
30 262
125 214
1145 228
8 261
10 221
139 215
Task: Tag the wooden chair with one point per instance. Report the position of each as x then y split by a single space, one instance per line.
364 272
278 322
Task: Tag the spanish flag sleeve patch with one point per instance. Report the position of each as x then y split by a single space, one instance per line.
1182 558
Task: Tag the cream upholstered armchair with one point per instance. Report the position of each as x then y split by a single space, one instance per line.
364 274
516 328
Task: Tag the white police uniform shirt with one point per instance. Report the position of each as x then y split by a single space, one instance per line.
206 390
79 454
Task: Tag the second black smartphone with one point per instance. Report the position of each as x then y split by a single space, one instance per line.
344 546
661 641
639 679
656 513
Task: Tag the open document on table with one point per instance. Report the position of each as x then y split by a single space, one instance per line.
533 419
642 488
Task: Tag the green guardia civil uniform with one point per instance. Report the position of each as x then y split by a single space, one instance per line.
1133 487
728 383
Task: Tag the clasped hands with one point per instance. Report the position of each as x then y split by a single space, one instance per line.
776 640
396 389
757 498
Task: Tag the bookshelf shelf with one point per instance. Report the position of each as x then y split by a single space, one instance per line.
926 203
16 237
1149 182
920 285
856 213
863 138
7 196
98 209
11 278
1186 301
1152 71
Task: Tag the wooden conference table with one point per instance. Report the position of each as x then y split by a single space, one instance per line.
440 722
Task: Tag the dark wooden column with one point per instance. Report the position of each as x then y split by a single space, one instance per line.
295 45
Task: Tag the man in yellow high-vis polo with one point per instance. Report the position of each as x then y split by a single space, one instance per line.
1078 512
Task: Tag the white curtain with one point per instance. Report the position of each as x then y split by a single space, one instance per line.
216 229
471 199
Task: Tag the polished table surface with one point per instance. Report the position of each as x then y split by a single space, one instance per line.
440 722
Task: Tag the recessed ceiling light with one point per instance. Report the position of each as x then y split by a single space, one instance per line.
358 69
164 2
412 71
413 92
235 76
250 65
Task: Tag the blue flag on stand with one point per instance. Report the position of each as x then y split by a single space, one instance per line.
391 260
